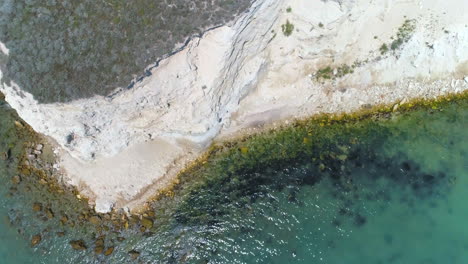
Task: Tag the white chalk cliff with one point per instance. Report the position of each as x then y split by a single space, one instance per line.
246 74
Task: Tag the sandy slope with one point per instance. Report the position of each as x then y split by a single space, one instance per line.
245 75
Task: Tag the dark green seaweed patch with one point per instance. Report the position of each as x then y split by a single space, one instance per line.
239 173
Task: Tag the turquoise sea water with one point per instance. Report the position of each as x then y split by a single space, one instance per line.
389 190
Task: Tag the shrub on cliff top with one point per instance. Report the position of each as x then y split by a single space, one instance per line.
287 28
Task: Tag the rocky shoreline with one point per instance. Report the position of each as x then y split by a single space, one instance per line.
36 167
279 62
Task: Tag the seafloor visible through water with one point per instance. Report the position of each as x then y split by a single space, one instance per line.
382 190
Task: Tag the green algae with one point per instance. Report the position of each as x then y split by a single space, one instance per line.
318 138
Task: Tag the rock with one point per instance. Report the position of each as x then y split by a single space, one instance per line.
147 223
16 179
98 250
37 152
37 207
95 220
78 245
49 213
3 156
36 240
342 157
64 219
151 214
99 242
108 251
134 254
18 124
322 167
244 150
39 147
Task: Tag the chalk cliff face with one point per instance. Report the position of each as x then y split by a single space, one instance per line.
119 149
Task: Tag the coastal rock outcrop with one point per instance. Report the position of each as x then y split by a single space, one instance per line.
338 56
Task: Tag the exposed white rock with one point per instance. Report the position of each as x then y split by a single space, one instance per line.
118 150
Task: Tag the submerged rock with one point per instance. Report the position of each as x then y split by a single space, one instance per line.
109 251
36 239
95 220
37 207
64 219
16 179
99 242
134 254
49 213
147 223
98 250
78 245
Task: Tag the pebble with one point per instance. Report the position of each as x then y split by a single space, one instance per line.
39 147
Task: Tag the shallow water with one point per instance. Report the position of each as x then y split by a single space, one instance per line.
391 190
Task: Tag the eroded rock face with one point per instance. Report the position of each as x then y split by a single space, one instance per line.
257 71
